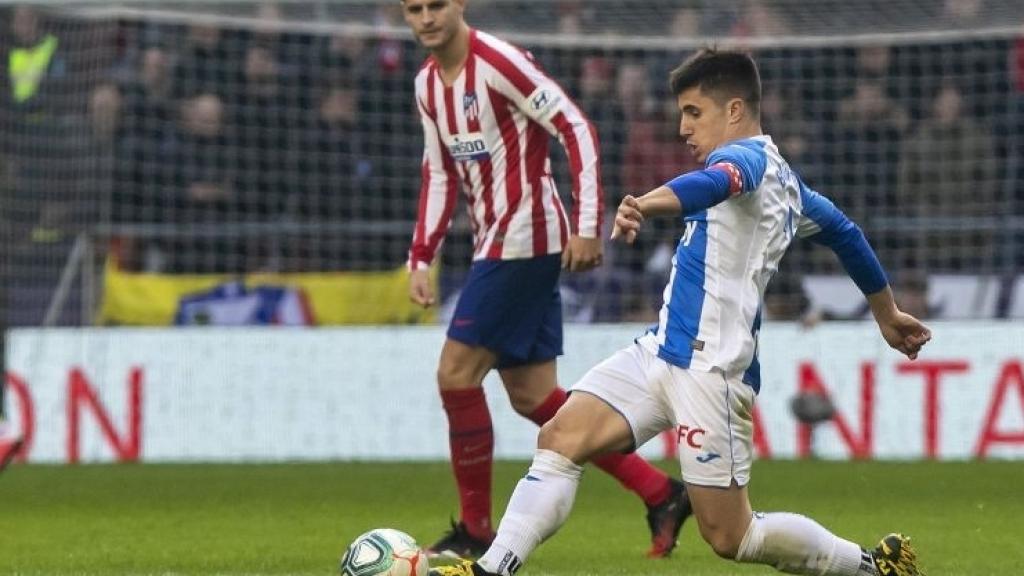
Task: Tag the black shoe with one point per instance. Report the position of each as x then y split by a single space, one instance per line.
894 557
666 519
458 543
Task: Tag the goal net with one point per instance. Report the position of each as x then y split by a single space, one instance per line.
192 140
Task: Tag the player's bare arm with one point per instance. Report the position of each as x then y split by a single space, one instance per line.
901 331
632 211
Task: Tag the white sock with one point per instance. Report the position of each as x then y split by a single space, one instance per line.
539 506
795 544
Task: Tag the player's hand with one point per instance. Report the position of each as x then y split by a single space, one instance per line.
420 291
905 333
627 220
581 254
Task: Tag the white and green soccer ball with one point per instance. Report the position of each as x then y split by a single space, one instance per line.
384 552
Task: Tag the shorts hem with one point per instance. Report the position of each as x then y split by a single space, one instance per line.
712 483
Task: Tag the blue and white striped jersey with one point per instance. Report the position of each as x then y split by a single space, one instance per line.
728 252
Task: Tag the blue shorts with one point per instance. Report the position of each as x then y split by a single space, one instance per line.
512 308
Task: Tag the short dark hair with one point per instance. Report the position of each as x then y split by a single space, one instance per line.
721 74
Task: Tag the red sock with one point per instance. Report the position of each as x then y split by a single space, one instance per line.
471 439
632 471
550 405
638 475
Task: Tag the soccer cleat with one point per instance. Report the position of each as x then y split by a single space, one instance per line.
464 568
666 519
895 557
458 543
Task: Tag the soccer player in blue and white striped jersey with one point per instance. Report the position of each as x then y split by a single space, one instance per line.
697 370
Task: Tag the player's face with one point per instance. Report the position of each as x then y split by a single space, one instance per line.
434 22
704 122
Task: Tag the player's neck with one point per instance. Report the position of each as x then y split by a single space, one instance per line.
451 57
746 130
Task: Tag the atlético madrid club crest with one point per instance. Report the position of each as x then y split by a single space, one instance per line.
470 106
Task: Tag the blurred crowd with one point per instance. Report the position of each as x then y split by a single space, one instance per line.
203 148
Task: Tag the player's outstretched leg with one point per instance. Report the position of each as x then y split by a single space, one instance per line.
667 504
795 544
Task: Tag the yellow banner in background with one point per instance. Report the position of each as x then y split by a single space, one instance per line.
334 298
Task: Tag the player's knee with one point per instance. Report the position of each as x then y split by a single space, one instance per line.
526 400
523 406
452 376
556 436
722 541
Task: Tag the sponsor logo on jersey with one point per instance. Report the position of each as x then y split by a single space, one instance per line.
468 147
544 102
705 458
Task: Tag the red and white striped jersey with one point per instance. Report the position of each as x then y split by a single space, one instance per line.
488 132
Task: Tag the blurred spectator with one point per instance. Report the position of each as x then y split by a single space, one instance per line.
757 19
598 101
685 23
1014 145
202 145
267 133
36 65
204 189
785 300
634 91
341 59
874 61
654 151
654 155
961 13
332 184
206 63
35 68
948 155
267 31
391 128
148 124
865 143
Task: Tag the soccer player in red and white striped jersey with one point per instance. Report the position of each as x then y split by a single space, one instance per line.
488 112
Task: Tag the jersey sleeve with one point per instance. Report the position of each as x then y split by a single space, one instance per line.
438 190
541 99
702 189
823 223
744 165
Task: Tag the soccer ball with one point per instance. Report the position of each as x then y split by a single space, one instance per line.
384 552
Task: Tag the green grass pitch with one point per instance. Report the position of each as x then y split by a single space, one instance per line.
965 517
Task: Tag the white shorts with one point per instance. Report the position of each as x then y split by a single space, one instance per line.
712 415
